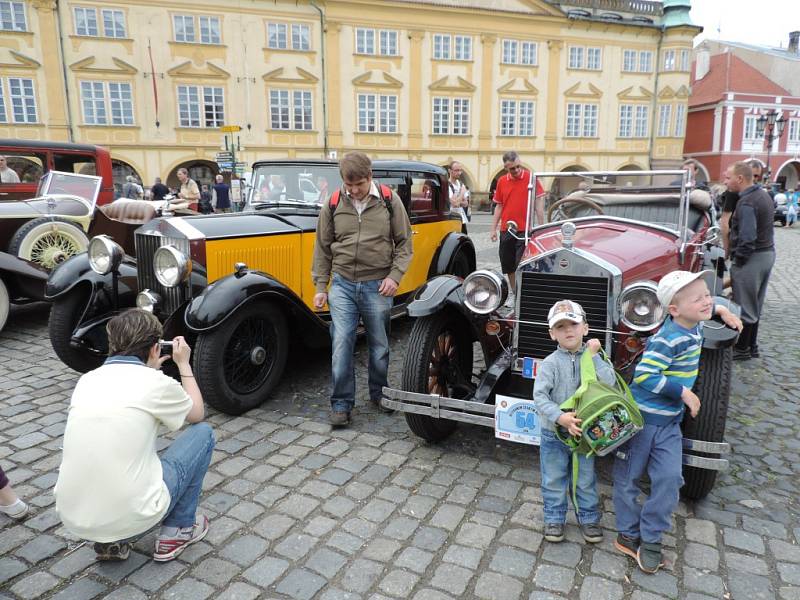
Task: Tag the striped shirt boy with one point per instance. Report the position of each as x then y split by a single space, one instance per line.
670 363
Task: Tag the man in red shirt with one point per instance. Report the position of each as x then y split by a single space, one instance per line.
511 196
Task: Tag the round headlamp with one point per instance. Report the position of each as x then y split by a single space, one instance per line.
171 266
104 254
147 300
484 291
639 307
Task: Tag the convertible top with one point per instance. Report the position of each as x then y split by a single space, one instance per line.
699 199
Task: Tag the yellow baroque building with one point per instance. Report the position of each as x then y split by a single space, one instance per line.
574 85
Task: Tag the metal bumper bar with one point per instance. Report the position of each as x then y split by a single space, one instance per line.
477 413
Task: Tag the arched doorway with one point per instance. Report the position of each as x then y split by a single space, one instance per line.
788 176
201 171
564 185
120 171
625 181
465 176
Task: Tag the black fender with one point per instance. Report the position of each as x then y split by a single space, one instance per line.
714 260
225 296
435 294
23 278
452 244
715 333
76 271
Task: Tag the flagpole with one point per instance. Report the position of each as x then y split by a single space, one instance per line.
153 77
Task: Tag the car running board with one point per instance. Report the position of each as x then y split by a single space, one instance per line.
477 413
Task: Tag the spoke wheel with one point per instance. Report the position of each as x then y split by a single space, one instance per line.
48 241
239 363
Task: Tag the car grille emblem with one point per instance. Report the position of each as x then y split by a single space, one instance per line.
563 263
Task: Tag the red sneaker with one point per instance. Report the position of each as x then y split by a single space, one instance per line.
168 548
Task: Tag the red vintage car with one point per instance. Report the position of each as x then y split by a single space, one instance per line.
604 247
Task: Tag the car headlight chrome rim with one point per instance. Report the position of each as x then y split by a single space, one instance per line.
105 254
639 307
171 266
484 291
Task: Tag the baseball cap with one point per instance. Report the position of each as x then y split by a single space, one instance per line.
565 310
674 282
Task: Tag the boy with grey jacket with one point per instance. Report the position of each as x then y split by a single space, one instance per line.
558 379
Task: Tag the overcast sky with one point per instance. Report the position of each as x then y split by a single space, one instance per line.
763 22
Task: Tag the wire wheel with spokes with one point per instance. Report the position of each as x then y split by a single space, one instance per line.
48 241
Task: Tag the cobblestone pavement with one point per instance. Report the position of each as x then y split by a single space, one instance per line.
298 511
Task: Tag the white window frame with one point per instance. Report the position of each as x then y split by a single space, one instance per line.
23 103
303 110
281 35
462 47
510 52
594 58
575 57
116 18
280 110
582 120
793 134
749 129
213 106
460 124
3 114
184 19
93 103
684 58
625 129
85 22
210 35
664 119
441 115
517 117
645 61
669 63
680 121
641 120
111 103
528 53
301 37
377 113
197 106
365 41
120 101
388 42
442 43
12 16
630 61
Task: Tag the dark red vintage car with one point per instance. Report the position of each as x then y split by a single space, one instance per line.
605 248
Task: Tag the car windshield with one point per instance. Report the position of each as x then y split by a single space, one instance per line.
71 184
280 185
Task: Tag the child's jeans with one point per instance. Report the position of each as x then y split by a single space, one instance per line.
658 450
556 465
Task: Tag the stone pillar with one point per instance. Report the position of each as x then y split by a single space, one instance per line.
334 82
415 94
485 137
717 128
553 95
53 90
730 111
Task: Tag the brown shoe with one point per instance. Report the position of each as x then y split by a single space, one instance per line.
340 418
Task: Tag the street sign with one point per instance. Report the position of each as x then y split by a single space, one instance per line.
224 156
241 165
230 128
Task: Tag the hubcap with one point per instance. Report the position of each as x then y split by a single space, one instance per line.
258 355
53 248
249 355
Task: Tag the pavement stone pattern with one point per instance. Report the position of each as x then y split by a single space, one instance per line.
372 512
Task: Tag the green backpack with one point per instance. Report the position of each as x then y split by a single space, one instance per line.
609 416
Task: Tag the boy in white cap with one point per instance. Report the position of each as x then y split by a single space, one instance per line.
662 386
558 378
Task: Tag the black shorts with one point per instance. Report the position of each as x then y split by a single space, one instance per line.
510 252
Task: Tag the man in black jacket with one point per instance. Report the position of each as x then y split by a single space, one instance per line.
752 252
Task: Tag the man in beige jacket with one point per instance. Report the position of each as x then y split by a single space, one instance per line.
363 249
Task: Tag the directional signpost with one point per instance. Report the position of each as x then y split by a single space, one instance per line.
226 161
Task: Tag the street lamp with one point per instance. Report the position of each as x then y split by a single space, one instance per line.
766 126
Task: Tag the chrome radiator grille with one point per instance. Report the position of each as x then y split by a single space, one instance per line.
146 246
540 291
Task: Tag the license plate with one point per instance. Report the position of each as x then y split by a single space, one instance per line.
515 420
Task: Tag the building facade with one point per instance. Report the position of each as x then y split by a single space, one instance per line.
728 97
579 85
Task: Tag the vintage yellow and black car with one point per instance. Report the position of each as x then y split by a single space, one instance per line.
237 284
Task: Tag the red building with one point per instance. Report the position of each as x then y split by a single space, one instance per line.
728 96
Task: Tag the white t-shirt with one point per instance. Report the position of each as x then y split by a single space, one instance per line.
8 175
110 485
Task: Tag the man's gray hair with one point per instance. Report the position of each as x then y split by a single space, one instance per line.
510 156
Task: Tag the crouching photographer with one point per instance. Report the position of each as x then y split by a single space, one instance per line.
112 485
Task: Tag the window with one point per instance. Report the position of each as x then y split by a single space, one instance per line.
365 41
388 45
594 58
516 117
200 106
301 37
12 16
664 118
575 57
113 23
642 120
85 21
680 120
645 61
451 122
581 120
276 36
633 61
750 128
629 63
510 48
633 120
97 104
684 60
669 60
516 52
22 100
279 109
377 113
441 47
209 30
3 117
794 129
184 28
302 110
463 47
625 120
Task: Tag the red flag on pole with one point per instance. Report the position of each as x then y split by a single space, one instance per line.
153 77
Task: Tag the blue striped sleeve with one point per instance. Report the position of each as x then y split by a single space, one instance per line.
649 373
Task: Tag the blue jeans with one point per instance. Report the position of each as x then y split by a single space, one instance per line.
556 464
348 301
659 451
184 464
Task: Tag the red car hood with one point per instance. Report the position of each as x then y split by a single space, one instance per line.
625 245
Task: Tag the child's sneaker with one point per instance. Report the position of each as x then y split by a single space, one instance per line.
112 550
592 533
649 557
169 547
17 510
554 532
626 545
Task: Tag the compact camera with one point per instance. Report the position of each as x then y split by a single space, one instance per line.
165 346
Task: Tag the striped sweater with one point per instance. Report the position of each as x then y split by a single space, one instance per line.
669 363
